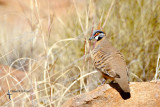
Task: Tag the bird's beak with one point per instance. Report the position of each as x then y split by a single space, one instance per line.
92 37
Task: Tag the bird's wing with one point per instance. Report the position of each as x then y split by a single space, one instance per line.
102 63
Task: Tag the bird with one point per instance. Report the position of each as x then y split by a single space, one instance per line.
110 62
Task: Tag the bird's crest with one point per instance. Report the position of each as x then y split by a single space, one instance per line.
99 27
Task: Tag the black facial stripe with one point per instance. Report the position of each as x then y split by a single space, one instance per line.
99 38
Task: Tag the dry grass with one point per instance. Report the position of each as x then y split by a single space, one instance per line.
55 48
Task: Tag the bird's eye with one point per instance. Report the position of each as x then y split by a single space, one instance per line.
96 34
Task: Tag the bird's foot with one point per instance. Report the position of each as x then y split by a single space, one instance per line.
103 81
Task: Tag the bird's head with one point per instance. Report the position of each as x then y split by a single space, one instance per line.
97 34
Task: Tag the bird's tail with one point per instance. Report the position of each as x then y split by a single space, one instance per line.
124 95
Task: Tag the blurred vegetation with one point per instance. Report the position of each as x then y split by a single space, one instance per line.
133 26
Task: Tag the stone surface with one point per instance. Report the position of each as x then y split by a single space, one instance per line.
145 94
13 80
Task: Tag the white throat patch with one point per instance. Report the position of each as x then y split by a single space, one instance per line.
96 37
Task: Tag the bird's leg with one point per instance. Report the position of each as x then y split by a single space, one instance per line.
103 81
107 81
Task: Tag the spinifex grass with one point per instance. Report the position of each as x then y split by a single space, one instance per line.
59 51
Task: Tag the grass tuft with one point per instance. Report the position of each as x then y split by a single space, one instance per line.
49 40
